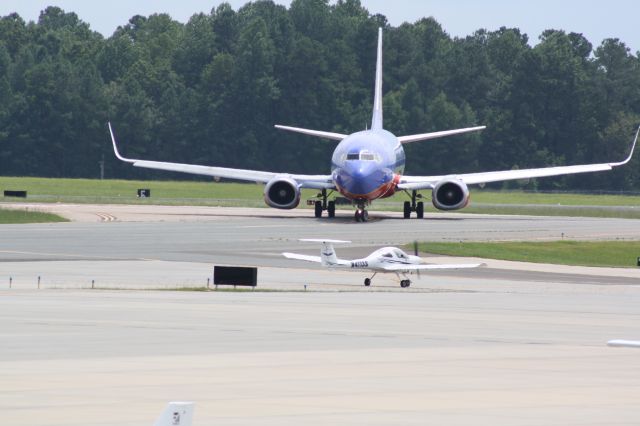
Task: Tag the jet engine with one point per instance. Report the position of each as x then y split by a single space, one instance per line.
282 192
450 194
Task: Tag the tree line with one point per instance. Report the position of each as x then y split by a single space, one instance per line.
209 92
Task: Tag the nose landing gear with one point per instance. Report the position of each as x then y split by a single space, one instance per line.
361 215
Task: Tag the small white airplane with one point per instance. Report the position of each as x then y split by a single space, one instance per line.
386 259
176 414
624 343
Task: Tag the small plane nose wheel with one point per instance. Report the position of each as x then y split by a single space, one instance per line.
405 283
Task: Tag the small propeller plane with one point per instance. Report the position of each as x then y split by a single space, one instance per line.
384 260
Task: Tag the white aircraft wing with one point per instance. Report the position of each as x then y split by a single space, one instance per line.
305 181
296 256
409 267
317 259
428 182
624 343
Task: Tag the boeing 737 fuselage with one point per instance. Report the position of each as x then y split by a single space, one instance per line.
368 165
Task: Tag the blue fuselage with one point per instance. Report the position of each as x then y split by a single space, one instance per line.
367 165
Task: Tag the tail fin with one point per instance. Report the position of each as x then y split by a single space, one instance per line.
327 253
376 121
176 414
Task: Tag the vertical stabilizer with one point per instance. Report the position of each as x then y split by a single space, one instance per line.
176 414
376 121
328 254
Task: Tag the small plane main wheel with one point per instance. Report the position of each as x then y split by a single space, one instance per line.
367 282
407 210
318 208
331 209
420 210
405 283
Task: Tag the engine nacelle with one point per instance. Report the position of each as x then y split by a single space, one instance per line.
450 194
282 192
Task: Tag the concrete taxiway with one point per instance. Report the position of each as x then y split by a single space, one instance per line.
511 344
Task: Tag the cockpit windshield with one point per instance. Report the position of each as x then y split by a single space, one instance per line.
363 156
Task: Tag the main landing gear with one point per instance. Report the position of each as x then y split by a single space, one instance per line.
367 281
329 206
404 283
413 206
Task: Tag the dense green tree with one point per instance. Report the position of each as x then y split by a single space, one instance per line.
209 91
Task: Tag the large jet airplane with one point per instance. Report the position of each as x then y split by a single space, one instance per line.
369 165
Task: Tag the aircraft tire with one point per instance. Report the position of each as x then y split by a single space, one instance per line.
318 209
420 210
407 210
331 209
367 282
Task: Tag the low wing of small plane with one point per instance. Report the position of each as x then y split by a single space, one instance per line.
386 259
176 414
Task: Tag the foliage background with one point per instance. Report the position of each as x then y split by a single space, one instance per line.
209 92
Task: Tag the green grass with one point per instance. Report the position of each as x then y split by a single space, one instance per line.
582 253
9 216
210 193
563 199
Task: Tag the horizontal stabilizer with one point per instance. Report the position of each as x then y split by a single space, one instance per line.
304 257
319 133
434 135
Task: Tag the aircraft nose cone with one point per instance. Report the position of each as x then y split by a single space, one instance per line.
361 178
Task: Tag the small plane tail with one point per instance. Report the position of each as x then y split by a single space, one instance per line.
327 253
176 414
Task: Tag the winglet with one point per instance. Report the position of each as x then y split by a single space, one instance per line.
115 148
633 147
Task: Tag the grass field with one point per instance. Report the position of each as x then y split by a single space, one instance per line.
251 195
583 253
8 216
